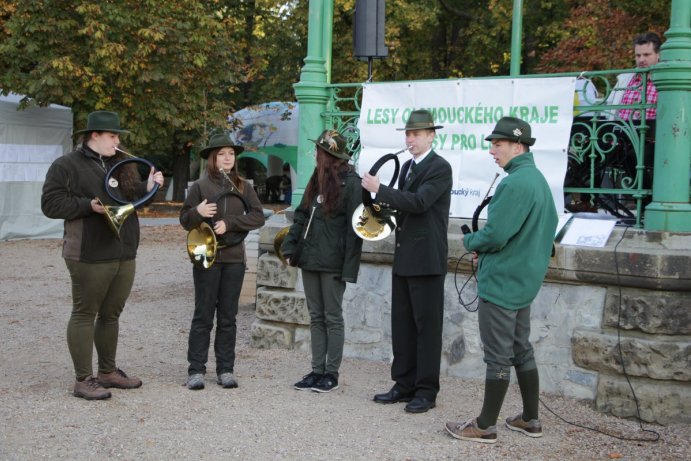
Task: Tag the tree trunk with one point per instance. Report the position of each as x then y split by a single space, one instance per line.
181 170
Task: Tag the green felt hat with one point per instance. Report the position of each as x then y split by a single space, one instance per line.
334 143
420 119
218 141
103 120
512 129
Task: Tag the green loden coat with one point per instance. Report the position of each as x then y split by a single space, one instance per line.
331 244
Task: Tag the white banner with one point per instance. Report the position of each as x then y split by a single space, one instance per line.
468 109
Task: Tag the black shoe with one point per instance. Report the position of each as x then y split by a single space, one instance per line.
307 381
393 396
420 405
327 383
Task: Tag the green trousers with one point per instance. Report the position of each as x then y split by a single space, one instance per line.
324 296
99 292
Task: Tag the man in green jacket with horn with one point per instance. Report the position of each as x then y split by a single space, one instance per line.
513 251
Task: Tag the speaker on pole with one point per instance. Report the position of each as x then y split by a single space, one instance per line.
368 30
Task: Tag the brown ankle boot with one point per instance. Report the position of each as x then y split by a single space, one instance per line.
118 379
90 389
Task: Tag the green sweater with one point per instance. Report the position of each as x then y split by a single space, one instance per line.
515 245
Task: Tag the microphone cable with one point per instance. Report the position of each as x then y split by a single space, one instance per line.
656 435
466 305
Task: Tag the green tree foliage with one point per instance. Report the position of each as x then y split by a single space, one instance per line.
597 35
163 66
176 69
278 46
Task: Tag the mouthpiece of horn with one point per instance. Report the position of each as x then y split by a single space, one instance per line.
126 153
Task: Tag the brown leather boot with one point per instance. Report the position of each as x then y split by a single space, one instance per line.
90 389
118 379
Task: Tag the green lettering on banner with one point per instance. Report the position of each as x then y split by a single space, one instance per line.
534 115
472 142
487 115
382 116
455 140
553 114
485 145
530 114
441 138
463 142
498 113
369 117
406 114
468 115
478 114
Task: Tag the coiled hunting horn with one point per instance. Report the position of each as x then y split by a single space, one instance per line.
370 221
117 214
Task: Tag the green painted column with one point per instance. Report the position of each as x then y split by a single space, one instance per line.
311 91
670 209
516 38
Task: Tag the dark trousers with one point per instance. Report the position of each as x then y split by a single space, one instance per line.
417 315
324 295
216 291
99 292
505 335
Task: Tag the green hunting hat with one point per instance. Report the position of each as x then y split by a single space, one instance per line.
334 143
512 129
420 119
218 141
102 120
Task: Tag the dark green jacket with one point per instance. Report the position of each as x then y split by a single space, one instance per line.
72 181
331 244
515 245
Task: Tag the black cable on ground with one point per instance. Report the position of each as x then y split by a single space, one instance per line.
468 305
656 435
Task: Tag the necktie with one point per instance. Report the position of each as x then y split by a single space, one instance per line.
411 170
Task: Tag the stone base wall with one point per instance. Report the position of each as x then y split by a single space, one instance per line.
283 321
580 330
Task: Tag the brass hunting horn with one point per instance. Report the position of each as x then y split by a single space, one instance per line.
202 242
278 243
370 221
117 214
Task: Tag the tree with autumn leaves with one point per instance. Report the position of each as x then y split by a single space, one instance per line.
176 69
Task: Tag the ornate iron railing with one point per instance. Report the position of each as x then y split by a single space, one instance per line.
610 152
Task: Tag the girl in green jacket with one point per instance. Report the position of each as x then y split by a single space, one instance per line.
329 254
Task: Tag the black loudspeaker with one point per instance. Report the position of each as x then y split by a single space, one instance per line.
368 30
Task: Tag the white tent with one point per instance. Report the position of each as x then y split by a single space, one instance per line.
29 142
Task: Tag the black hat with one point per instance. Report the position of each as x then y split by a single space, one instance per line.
512 129
218 141
420 119
102 120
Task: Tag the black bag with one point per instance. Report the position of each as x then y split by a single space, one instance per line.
293 260
295 257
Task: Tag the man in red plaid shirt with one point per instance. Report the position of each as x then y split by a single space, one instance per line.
647 52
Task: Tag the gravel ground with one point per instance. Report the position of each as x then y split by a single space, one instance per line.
265 418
